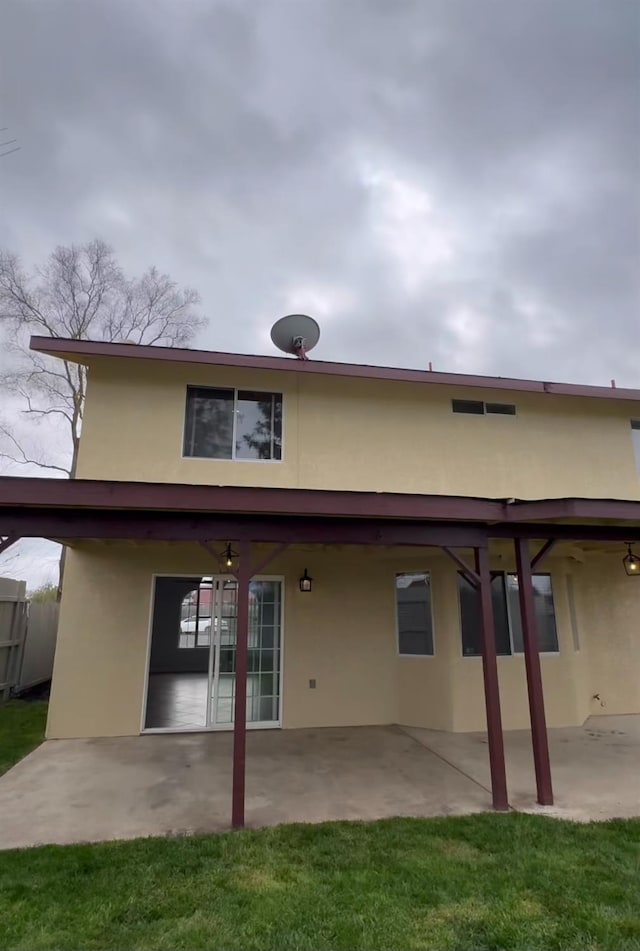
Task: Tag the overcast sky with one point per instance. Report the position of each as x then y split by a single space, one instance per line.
454 181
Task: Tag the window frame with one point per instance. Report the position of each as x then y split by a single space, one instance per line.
414 571
513 653
235 390
635 442
456 405
508 409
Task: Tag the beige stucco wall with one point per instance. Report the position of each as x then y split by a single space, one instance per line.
343 636
337 637
364 435
609 605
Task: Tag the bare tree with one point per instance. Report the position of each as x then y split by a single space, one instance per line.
81 294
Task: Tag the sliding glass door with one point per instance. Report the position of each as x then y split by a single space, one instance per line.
197 688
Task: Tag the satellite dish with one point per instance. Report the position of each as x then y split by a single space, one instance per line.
296 334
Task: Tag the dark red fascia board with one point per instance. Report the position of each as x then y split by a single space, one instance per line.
143 496
77 523
83 351
93 493
616 509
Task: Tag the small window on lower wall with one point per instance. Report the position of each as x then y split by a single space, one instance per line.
413 613
506 613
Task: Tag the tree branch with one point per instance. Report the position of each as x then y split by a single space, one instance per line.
80 293
24 460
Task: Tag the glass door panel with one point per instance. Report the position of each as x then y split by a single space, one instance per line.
263 661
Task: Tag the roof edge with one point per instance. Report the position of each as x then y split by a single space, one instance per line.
83 351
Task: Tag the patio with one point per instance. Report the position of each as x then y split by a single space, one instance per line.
90 790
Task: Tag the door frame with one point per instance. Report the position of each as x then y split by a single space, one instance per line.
263 725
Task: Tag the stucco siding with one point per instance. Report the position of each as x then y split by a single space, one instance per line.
364 435
608 609
343 636
99 668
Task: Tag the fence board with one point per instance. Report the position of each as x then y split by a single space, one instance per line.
27 639
40 644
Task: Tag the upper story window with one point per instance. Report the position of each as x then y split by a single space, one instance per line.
413 613
506 614
635 437
479 408
233 424
476 407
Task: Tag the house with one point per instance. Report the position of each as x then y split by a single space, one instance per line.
364 545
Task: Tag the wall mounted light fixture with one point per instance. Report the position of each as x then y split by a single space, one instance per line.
631 563
305 581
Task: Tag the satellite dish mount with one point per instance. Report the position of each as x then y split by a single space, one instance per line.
296 334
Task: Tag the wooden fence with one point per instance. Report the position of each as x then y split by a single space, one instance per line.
27 639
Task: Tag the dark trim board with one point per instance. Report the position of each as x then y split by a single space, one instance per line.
500 517
99 493
70 524
85 351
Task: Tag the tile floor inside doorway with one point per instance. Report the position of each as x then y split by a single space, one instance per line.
176 701
179 701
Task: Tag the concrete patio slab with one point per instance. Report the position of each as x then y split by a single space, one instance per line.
595 768
91 790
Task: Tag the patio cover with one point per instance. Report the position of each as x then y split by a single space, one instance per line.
72 510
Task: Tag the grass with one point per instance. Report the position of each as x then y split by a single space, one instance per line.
475 882
21 730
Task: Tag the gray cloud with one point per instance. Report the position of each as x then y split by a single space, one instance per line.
444 180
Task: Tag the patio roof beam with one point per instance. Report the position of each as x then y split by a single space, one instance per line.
566 532
546 548
72 524
8 542
521 511
68 526
472 576
268 501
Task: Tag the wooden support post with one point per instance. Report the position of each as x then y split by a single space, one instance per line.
539 739
240 713
491 688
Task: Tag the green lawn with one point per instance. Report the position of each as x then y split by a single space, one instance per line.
486 881
21 730
476 882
